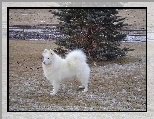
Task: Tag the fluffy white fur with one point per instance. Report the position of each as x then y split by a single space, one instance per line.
73 66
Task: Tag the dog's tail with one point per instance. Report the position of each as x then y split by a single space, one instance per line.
76 55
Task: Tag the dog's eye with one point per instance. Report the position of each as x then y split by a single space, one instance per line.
48 58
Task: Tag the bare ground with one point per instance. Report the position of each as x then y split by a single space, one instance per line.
119 85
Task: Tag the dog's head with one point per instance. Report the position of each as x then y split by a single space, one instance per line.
48 56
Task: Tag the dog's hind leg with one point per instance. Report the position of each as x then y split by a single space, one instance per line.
84 85
84 79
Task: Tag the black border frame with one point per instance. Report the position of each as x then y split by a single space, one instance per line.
65 8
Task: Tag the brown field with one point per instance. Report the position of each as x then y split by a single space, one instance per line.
135 18
119 85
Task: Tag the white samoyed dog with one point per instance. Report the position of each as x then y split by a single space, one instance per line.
74 66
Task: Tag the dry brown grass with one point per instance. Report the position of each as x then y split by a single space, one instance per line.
135 18
118 85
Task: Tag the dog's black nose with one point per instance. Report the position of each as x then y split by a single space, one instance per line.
43 62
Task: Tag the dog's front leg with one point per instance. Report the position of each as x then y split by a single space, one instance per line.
56 86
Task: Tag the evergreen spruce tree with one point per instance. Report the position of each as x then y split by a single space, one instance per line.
96 31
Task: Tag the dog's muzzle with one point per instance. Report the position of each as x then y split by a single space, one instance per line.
43 62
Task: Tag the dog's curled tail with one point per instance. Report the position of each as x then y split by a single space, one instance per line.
76 55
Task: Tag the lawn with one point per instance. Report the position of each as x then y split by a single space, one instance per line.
118 85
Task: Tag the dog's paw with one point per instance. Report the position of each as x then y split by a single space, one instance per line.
85 90
52 93
81 87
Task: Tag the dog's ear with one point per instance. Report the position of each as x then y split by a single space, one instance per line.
44 51
52 52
